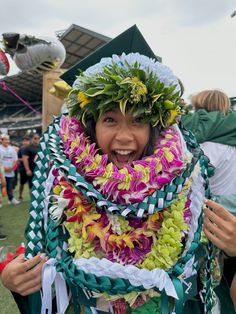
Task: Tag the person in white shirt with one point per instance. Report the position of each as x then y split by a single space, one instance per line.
9 162
2 185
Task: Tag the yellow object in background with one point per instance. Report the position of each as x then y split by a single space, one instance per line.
60 89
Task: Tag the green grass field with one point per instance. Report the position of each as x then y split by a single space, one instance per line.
14 219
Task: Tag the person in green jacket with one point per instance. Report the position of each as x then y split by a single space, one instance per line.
214 125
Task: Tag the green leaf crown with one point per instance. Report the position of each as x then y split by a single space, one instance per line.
137 84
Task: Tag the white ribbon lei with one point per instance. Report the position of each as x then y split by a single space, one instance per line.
50 276
148 279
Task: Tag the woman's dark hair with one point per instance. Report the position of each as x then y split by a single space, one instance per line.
89 130
149 148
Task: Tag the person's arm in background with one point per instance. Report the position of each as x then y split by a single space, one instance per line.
220 227
12 167
25 159
19 155
2 176
15 163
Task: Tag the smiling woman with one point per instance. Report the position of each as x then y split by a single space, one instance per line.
117 207
122 137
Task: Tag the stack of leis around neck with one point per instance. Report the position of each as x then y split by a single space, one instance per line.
137 243
117 256
131 183
148 243
93 232
129 235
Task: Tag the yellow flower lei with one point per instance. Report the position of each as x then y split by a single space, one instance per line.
167 243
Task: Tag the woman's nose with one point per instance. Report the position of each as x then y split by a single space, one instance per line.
124 134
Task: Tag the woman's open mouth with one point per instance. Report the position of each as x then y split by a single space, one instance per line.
122 157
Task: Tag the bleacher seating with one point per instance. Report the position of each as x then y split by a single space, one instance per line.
20 120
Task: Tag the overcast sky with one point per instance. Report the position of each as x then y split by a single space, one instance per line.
195 38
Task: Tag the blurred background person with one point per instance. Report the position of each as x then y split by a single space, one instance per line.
16 147
2 185
2 180
9 162
21 168
29 153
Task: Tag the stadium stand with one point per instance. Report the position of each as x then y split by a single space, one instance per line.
18 118
233 102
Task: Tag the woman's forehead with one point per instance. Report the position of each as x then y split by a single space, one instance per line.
118 111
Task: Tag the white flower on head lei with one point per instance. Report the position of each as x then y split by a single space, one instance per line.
164 74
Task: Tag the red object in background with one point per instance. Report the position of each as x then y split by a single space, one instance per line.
15 167
4 63
20 250
3 264
9 257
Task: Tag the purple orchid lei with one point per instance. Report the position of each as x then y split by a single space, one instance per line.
130 184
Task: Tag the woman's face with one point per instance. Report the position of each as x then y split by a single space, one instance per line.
122 138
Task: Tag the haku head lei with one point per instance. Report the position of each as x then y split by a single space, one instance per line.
134 83
124 73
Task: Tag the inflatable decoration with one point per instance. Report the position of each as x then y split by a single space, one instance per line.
4 63
33 54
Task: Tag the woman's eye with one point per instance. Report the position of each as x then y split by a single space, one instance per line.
138 120
109 120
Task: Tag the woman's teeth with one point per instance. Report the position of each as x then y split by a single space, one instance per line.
123 152
123 156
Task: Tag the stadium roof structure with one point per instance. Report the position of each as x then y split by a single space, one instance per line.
79 42
233 101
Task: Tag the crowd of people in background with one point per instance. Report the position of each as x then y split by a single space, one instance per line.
17 162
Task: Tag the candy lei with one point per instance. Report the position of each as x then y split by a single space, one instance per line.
131 183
